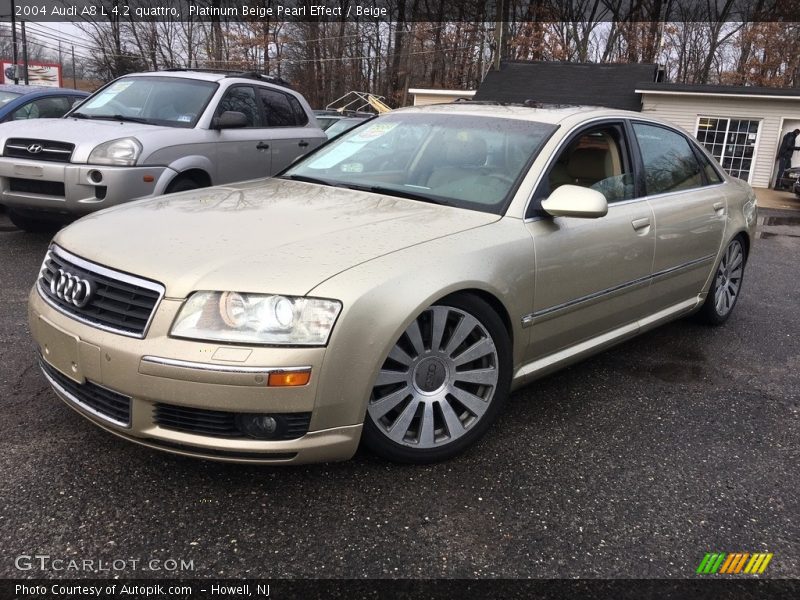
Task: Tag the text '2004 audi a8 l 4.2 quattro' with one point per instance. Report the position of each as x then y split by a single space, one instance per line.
393 286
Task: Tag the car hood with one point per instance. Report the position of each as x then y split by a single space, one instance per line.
272 236
84 133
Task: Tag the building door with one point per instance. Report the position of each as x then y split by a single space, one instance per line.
731 141
787 126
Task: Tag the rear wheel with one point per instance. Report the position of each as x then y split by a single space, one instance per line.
727 284
442 385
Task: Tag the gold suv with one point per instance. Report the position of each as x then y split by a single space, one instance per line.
393 286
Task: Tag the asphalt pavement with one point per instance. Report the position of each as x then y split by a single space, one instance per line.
634 463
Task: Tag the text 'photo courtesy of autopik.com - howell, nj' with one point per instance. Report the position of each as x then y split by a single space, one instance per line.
399 299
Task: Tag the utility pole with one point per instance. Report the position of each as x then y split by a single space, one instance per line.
74 81
24 52
14 41
498 35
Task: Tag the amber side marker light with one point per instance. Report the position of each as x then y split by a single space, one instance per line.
289 378
148 179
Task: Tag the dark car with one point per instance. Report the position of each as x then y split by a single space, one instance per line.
19 102
791 180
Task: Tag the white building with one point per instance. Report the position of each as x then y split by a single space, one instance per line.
423 97
741 126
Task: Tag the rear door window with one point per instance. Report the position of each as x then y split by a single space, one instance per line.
670 164
278 108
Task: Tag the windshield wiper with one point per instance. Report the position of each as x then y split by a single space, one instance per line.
120 118
80 115
377 189
306 179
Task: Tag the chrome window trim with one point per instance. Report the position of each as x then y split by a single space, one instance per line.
105 272
86 407
530 318
663 194
186 364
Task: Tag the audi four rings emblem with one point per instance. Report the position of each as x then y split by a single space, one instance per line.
35 148
71 288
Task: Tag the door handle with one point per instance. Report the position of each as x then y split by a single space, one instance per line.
262 146
719 208
641 225
303 144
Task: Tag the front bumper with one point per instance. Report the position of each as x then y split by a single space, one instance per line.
36 185
160 370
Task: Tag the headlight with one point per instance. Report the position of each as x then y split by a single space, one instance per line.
123 152
257 319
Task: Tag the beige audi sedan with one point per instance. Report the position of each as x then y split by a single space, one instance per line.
392 287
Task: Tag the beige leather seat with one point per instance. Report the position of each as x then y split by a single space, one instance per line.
587 166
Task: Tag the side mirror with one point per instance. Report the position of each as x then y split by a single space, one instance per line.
576 201
230 119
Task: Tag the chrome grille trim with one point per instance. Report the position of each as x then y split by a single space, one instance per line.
51 150
101 271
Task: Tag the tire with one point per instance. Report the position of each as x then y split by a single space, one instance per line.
726 285
181 184
32 224
422 409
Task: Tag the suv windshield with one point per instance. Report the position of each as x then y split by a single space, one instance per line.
166 101
466 161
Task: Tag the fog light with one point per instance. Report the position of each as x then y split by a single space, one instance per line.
95 176
258 426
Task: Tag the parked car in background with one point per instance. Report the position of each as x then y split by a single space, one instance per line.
346 124
147 134
394 286
326 118
23 102
791 179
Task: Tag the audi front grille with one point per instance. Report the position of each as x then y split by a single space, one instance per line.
97 295
39 149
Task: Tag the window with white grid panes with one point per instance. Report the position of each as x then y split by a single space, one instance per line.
731 141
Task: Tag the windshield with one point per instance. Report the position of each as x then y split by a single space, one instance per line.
467 161
166 101
6 97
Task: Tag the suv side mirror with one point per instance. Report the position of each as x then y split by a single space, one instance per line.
575 201
230 119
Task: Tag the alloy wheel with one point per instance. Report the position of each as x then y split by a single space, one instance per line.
438 380
729 278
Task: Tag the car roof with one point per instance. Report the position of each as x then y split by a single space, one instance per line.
24 90
202 76
543 114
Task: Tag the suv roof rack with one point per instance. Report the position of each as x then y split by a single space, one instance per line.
232 73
